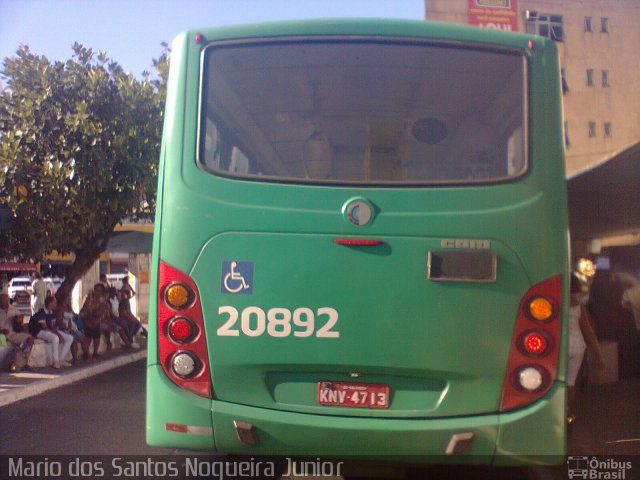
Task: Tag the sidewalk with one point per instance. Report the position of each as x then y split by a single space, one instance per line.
607 419
18 386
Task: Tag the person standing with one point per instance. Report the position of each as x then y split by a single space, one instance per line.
631 301
127 289
42 325
39 292
581 336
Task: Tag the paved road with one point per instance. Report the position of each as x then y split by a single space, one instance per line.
101 415
104 415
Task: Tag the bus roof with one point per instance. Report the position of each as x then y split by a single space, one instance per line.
371 27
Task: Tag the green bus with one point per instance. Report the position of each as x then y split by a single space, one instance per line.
361 244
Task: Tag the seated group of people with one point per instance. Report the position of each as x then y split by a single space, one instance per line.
105 310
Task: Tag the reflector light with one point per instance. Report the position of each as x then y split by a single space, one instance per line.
174 427
177 296
183 364
530 378
181 330
357 242
191 429
540 309
535 343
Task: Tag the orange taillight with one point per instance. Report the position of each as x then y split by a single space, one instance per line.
540 309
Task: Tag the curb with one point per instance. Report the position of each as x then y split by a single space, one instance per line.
41 386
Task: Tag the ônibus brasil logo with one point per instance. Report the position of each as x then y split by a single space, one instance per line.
592 468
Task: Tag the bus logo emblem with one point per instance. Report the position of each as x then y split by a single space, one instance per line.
237 277
358 212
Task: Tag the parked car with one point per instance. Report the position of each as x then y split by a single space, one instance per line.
57 281
115 279
22 302
18 284
52 284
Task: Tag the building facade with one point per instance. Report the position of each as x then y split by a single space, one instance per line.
597 43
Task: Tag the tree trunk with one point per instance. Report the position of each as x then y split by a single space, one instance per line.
84 259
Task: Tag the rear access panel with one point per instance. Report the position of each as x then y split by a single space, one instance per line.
286 315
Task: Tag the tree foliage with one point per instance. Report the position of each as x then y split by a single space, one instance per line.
79 148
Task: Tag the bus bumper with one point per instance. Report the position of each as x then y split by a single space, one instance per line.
533 435
168 404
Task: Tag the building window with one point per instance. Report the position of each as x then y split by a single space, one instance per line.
545 25
604 25
565 85
607 129
589 77
587 24
592 129
605 78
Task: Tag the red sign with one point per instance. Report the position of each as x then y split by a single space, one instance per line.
498 14
17 267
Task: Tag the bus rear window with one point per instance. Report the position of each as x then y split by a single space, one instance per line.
362 112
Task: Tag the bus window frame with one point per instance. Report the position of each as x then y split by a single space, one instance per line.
484 47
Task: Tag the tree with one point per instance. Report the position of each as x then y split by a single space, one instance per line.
79 148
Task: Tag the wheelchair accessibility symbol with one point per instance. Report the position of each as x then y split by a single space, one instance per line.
237 277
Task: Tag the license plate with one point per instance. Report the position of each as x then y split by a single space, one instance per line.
22 299
359 395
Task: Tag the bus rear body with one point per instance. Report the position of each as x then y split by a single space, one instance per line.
361 244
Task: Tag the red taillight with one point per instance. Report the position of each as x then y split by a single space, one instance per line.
181 343
535 343
182 330
533 359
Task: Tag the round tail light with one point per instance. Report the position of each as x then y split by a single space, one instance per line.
184 365
182 330
178 296
530 378
535 343
540 309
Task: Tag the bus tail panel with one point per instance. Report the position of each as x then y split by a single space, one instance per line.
298 322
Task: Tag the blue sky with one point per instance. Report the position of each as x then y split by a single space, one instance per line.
130 31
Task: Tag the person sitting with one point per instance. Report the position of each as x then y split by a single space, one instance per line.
11 327
125 312
68 323
92 315
42 325
104 281
111 323
129 326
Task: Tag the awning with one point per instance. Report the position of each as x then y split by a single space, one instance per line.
604 201
17 267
